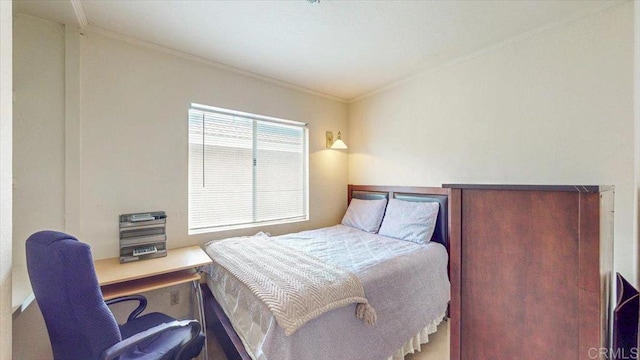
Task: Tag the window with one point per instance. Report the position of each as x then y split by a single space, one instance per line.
245 170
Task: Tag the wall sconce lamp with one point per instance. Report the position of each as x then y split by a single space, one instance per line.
338 144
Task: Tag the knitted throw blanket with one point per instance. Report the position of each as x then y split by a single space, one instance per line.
295 286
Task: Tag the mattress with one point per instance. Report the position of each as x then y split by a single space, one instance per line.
406 283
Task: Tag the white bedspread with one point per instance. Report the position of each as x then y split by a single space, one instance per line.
405 282
295 286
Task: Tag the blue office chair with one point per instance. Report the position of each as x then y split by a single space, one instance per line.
78 320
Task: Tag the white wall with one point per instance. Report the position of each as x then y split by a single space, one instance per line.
38 130
6 120
555 108
38 152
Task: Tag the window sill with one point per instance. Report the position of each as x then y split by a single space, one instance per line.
245 226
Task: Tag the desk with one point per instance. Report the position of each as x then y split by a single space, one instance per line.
178 267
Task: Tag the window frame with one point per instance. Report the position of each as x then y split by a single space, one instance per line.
255 118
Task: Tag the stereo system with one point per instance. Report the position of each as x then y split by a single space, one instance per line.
143 236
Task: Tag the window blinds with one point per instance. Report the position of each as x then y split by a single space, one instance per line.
245 169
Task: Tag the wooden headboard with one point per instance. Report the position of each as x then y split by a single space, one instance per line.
431 194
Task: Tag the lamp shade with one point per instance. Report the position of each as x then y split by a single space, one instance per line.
339 144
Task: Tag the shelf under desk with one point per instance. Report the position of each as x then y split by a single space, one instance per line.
149 283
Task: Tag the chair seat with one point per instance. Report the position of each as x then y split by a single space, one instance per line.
162 346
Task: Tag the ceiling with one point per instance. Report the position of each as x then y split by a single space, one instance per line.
343 49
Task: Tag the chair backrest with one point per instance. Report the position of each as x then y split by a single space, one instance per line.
65 285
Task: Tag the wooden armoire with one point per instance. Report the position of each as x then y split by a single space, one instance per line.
531 271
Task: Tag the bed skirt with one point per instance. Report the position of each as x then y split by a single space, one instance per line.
412 345
409 347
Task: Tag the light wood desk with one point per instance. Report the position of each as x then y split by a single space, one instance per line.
179 266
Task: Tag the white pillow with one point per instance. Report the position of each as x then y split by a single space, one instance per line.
410 220
365 215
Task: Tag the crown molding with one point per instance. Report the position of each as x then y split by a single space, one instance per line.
493 47
218 65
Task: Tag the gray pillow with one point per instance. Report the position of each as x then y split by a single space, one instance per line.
410 220
365 215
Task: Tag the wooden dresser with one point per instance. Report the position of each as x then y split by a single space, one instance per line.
531 271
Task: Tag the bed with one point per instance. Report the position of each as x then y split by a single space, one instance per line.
406 283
